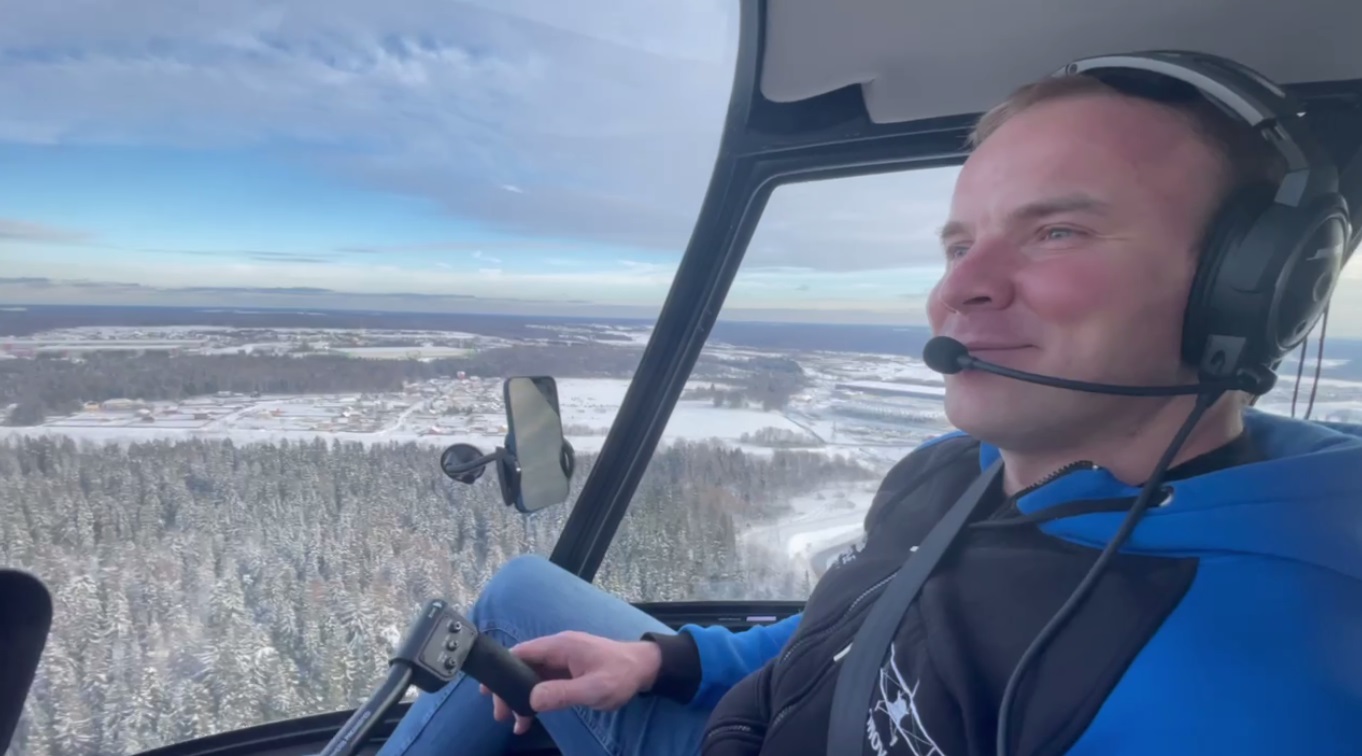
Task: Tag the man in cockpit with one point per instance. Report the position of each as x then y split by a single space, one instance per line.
1230 623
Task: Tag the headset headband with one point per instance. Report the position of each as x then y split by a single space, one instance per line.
1242 93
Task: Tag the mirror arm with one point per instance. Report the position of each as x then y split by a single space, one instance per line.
478 463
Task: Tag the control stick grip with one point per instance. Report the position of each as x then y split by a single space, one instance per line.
502 672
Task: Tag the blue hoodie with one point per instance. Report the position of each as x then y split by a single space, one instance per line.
1279 544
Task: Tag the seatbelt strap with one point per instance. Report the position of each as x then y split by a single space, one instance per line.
862 663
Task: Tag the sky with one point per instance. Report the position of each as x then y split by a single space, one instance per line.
534 156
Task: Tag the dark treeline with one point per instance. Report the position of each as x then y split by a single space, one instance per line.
780 438
895 339
202 586
768 382
45 387
771 381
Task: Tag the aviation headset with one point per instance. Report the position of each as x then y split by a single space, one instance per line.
1273 254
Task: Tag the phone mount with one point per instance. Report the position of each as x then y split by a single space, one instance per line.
465 463
535 466
439 645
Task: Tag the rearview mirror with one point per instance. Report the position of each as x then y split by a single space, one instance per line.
543 458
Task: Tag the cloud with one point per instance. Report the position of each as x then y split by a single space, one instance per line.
12 230
39 290
582 119
290 257
594 120
252 255
474 246
284 290
32 282
876 222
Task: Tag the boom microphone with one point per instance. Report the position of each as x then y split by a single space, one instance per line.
948 356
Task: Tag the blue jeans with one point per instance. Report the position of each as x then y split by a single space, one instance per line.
530 597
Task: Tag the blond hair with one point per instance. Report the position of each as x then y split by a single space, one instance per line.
1248 159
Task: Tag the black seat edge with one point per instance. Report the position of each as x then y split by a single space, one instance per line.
25 620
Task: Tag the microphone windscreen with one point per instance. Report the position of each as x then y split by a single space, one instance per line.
943 354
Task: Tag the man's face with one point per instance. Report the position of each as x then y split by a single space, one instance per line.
1070 251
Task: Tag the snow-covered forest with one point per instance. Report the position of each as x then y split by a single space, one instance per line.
202 586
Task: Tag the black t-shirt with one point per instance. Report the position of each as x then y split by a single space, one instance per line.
941 687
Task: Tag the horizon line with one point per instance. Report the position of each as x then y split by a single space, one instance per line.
18 307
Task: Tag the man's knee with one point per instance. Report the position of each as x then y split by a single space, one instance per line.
515 585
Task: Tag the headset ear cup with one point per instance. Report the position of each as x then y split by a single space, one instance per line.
1307 282
1265 280
1229 227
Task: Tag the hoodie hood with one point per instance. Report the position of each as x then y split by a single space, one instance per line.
1302 502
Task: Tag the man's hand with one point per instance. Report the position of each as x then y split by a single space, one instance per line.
579 669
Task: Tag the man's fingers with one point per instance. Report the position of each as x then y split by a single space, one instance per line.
550 651
500 711
552 695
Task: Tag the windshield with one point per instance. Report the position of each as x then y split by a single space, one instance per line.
808 390
261 264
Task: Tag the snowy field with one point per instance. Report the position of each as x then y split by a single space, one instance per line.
589 408
595 403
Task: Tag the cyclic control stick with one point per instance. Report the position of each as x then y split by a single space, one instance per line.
438 646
